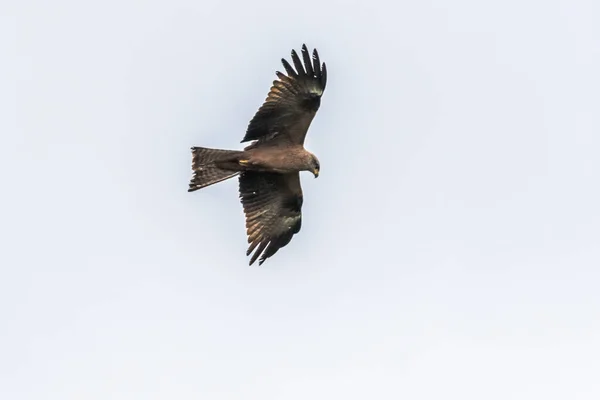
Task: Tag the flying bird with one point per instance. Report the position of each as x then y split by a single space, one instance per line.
269 167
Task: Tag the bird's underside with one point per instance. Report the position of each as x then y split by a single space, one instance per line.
269 167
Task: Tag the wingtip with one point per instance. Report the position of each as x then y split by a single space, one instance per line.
253 260
288 68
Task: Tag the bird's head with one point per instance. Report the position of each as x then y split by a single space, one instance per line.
315 166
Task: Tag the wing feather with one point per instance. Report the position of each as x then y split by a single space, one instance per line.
272 204
298 64
288 68
316 64
307 61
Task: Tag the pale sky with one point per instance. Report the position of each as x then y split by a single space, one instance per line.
450 248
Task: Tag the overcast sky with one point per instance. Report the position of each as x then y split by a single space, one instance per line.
450 248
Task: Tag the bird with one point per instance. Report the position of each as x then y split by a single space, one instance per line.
269 167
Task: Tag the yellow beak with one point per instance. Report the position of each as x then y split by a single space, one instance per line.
315 172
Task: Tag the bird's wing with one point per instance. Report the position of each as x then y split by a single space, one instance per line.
291 103
272 203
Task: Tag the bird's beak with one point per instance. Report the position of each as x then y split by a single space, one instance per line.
315 172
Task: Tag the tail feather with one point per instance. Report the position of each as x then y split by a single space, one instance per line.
210 166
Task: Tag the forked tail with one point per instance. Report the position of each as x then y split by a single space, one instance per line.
211 166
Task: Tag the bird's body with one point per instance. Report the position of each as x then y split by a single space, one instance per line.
277 159
269 167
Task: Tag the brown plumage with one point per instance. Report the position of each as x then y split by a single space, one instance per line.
269 167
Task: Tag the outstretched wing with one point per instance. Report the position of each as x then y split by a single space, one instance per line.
292 101
272 204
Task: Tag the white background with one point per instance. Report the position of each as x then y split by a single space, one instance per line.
450 248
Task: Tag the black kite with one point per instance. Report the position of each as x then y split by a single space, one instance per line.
269 167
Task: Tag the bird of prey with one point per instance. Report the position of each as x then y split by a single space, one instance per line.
269 167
